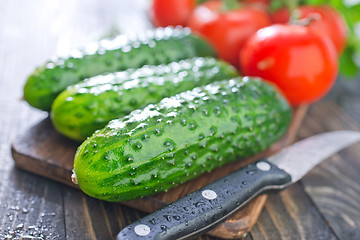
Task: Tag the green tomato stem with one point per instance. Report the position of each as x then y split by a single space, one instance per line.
292 6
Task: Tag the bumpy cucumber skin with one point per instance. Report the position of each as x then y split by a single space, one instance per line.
165 144
163 45
85 107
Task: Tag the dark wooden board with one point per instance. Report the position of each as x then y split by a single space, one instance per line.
43 151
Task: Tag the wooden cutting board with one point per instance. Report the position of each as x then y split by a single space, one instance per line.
43 151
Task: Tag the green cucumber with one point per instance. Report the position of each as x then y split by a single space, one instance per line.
165 144
163 45
85 107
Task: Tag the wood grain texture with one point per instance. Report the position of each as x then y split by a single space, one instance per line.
43 151
30 206
334 184
241 221
33 31
290 214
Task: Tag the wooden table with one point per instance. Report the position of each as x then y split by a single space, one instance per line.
324 205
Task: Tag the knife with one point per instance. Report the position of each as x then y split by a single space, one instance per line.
201 210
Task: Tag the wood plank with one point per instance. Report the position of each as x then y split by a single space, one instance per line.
290 214
346 94
76 215
30 206
334 185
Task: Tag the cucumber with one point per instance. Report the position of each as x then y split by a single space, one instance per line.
163 45
165 144
85 107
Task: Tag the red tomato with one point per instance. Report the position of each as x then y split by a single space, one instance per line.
227 31
300 61
171 12
330 22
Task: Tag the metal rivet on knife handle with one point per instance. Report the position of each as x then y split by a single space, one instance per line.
263 166
209 194
142 230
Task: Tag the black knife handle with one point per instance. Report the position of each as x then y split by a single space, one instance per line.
203 209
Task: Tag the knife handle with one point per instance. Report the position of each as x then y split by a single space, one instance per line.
203 209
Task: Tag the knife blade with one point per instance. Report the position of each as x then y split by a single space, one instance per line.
203 209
